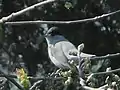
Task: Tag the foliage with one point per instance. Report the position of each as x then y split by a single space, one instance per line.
23 78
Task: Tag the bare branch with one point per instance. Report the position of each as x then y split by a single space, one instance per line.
33 78
108 72
104 87
90 88
46 78
108 56
13 15
35 84
62 22
12 81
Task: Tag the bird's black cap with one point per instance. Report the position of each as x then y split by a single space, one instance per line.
54 31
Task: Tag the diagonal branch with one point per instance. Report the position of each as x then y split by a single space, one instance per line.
35 85
63 22
13 15
12 80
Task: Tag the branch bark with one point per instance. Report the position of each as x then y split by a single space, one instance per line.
62 22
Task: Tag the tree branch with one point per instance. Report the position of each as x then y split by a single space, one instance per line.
62 22
35 85
12 81
107 73
45 78
108 56
100 88
90 88
13 15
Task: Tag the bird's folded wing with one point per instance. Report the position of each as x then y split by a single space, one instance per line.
67 47
58 56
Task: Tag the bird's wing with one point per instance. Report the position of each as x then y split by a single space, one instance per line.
67 47
58 57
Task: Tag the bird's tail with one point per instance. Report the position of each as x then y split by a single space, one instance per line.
86 55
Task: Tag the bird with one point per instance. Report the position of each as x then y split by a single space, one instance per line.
59 48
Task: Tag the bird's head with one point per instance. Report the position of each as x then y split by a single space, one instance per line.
52 32
52 35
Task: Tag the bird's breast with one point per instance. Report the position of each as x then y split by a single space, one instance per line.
52 58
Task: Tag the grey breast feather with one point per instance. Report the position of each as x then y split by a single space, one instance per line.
58 56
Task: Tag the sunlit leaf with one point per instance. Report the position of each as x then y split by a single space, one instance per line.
23 78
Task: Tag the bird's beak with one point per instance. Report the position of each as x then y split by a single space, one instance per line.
49 31
46 34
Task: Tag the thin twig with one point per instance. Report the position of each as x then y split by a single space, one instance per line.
46 78
90 88
6 50
107 73
35 84
62 22
33 78
108 56
4 81
104 87
13 15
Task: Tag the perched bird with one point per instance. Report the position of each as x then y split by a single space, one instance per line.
59 48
